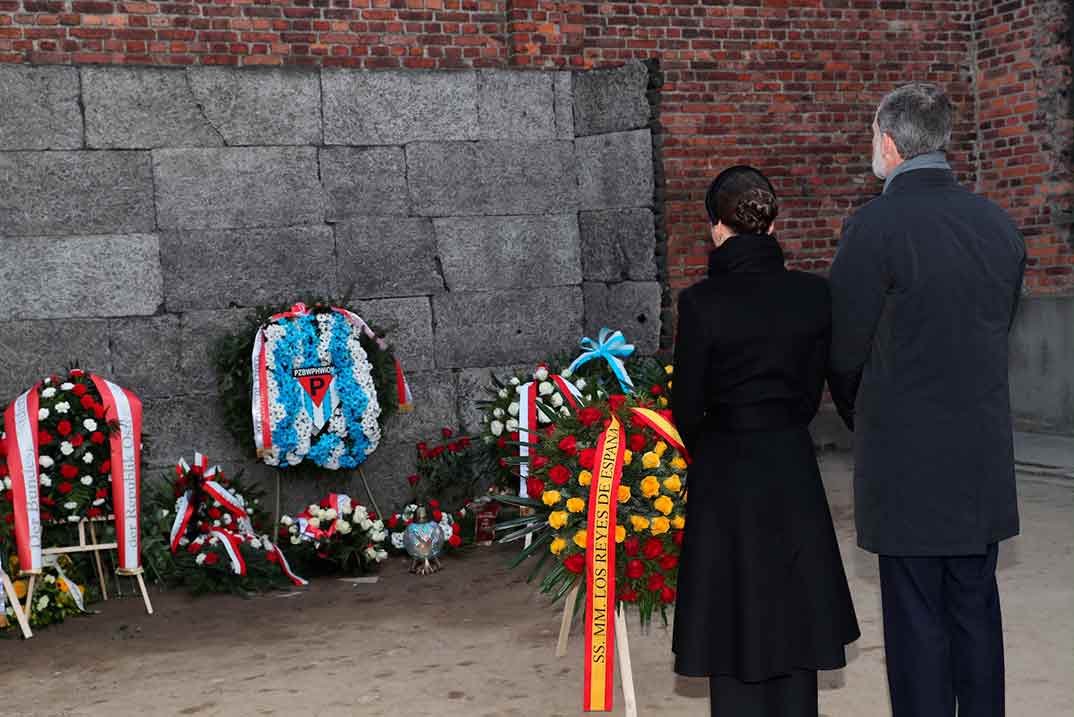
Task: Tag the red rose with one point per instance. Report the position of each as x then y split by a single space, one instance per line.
454 447
193 548
454 541
98 411
211 558
632 545
3 470
637 442
538 462
423 446
589 415
446 432
456 528
106 466
63 427
272 557
569 445
635 569
437 452
465 442
559 475
503 463
655 582
575 563
65 487
79 389
501 443
45 500
393 521
628 594
586 458
68 471
534 487
44 438
677 537
9 518
616 401
667 595
668 562
9 496
549 429
666 414
87 401
76 440
513 436
636 421
94 513
434 503
215 513
437 516
102 493
97 438
653 548
655 389
75 373
412 479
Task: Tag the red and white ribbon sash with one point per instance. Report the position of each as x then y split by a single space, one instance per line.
527 419
231 543
285 566
125 408
259 404
20 424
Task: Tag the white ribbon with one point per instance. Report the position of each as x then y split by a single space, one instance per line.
53 561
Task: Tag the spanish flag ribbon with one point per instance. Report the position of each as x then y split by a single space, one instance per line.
663 427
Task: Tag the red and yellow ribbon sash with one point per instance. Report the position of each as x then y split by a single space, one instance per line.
663 427
600 572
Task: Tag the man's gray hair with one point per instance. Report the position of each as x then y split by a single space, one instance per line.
917 117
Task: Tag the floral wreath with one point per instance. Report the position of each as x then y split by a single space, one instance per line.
338 530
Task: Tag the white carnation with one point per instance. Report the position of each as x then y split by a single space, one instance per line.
50 579
286 520
48 392
330 514
66 448
88 458
45 462
67 385
42 414
496 428
514 381
371 553
502 393
295 540
343 526
366 524
42 603
512 425
378 524
293 530
200 559
73 519
347 508
313 509
541 374
100 501
86 480
378 536
89 424
63 407
70 505
44 479
557 400
315 522
360 513
498 412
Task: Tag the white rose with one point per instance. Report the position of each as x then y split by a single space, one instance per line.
378 536
564 411
360 513
86 480
89 424
557 401
88 458
67 385
580 384
315 522
367 524
7 482
42 603
371 553
100 501
200 559
331 514
63 407
48 392
566 373
496 428
295 540
343 526
382 555
542 417
498 412
66 448
378 524
502 393
50 579
512 425
347 508
293 530
313 509
227 518
514 381
541 374
45 462
546 389
255 543
42 414
73 519
286 520
513 409
45 481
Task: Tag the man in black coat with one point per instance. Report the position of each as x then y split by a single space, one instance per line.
924 290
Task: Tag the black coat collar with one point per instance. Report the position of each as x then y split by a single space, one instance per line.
746 254
923 179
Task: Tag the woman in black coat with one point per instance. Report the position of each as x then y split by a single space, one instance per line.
763 601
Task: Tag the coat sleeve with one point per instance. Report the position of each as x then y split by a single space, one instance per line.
859 284
691 352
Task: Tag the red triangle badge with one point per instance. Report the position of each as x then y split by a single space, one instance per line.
316 382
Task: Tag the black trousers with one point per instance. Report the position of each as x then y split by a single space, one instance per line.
943 635
793 695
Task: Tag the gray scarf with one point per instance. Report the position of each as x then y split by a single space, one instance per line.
930 160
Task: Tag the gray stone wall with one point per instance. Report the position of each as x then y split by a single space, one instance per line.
1042 364
484 218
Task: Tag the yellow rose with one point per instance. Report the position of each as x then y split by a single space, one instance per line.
624 493
575 505
663 504
660 525
628 456
550 497
678 463
660 448
673 483
579 538
650 486
669 369
620 533
557 546
557 519
585 478
662 401
669 385
678 522
20 589
650 460
62 585
639 523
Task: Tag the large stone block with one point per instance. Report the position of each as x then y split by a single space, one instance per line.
615 170
435 396
386 472
234 187
39 108
177 427
611 100
53 277
407 325
146 355
259 106
618 244
30 350
479 253
143 107
564 99
632 307
502 327
459 179
45 193
246 267
367 108
364 181
199 333
515 105
1041 357
387 256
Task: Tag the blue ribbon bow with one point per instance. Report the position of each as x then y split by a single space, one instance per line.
613 348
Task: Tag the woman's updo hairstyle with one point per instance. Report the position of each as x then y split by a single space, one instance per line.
743 199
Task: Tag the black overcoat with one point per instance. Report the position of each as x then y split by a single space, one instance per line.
761 587
924 286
